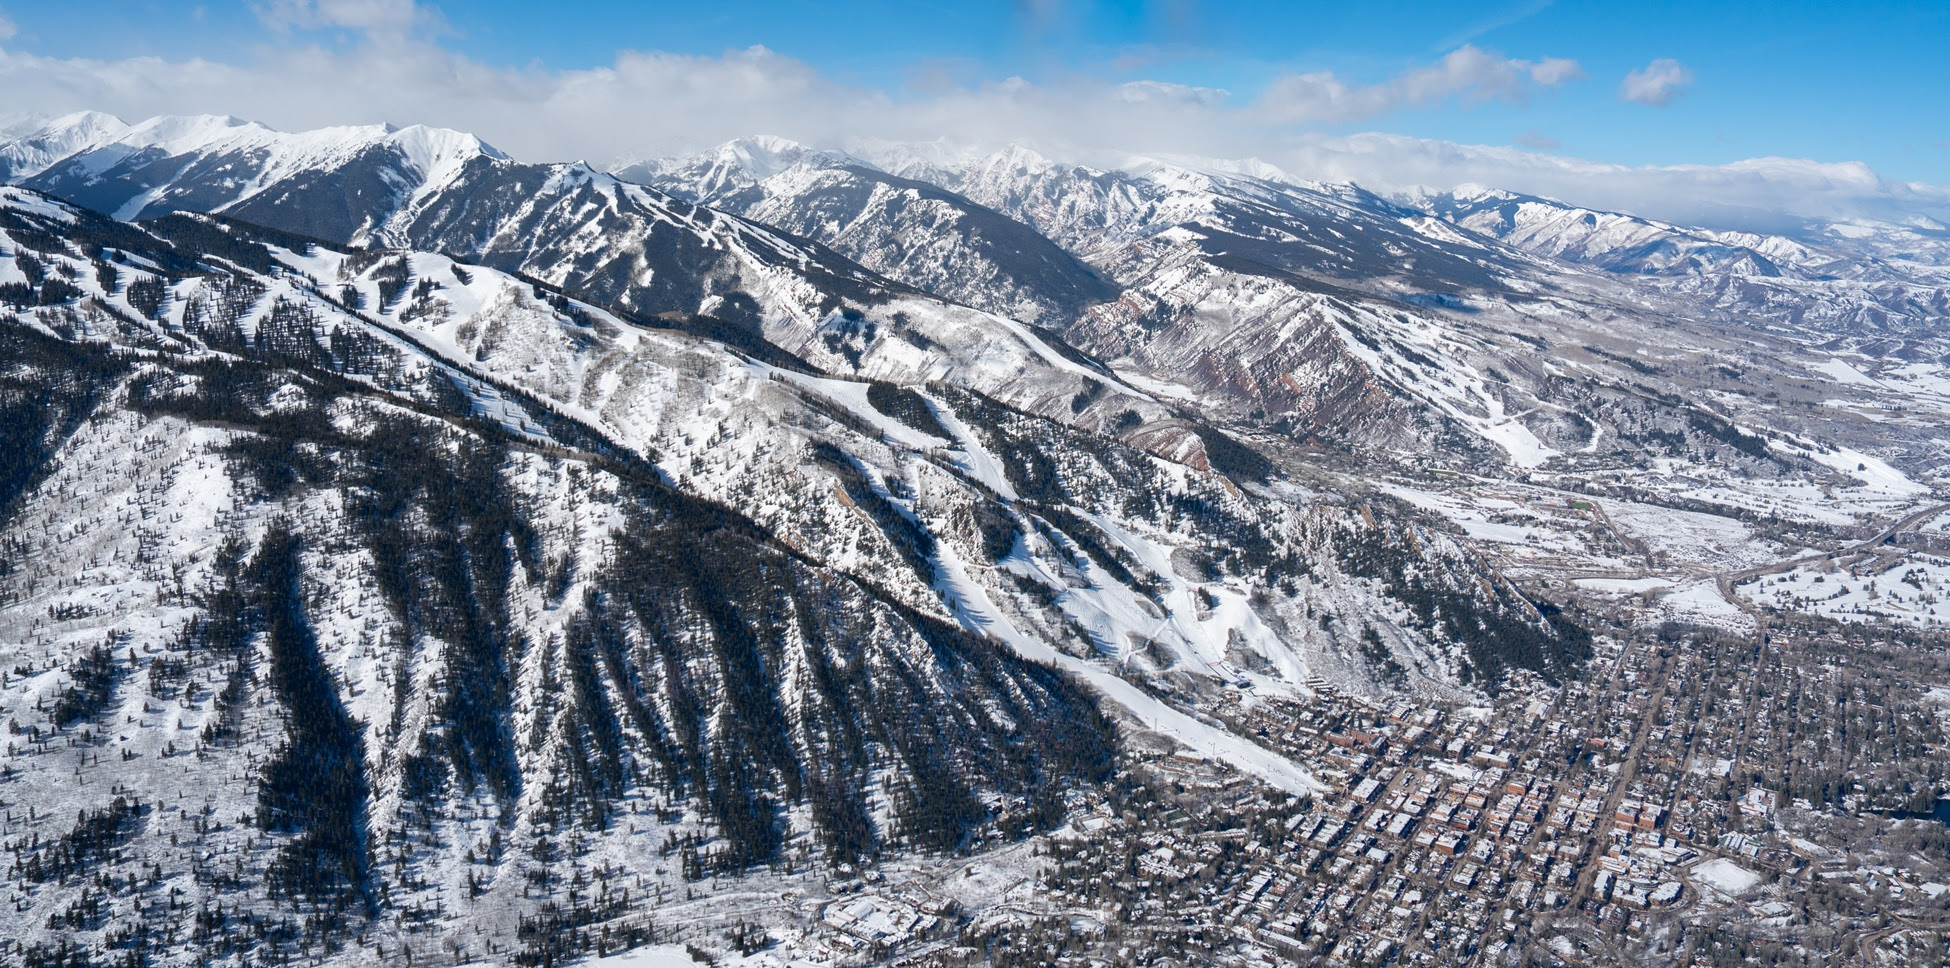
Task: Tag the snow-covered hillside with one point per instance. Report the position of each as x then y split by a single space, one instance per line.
207 163
407 551
611 241
911 231
1266 296
403 588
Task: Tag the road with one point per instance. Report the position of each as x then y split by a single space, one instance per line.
1748 574
1629 764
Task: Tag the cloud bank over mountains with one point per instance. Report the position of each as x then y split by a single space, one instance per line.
650 104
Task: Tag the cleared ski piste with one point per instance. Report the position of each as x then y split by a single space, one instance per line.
976 612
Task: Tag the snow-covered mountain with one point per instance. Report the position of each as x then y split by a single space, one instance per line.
452 557
350 179
612 241
1151 238
1316 313
1319 313
1611 241
906 230
1414 325
390 583
33 145
731 169
645 251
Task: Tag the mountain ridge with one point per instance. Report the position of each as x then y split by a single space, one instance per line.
466 559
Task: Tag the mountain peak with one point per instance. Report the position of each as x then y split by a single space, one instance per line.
85 121
761 156
1474 192
1021 158
38 142
730 167
433 150
185 129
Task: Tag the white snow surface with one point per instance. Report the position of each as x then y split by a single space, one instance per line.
1725 876
434 154
973 607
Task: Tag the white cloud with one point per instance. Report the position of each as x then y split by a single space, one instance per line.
379 19
1165 93
649 104
1552 71
1536 139
1468 72
1656 83
1762 194
7 28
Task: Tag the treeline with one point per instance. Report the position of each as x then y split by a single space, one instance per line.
1497 629
96 835
907 407
1055 469
315 785
702 615
47 389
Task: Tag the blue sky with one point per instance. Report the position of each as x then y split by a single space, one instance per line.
1830 82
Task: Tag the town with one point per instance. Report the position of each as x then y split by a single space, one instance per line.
1701 797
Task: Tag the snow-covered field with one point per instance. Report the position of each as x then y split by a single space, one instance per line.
1909 589
1725 876
656 956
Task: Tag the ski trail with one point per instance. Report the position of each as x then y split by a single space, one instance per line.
976 612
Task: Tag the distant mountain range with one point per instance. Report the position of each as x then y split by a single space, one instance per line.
401 527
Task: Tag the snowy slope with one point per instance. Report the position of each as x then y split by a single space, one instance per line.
348 607
32 147
907 230
612 241
207 163
383 584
